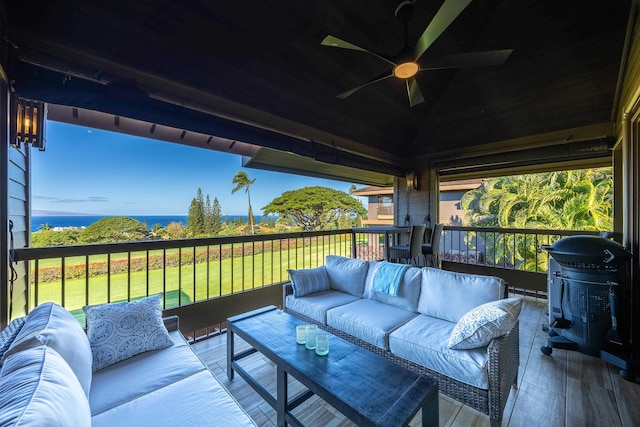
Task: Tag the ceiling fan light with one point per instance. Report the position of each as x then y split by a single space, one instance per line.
406 70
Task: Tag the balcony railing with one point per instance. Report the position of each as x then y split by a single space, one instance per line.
506 248
205 280
186 271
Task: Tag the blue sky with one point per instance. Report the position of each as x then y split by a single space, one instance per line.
96 172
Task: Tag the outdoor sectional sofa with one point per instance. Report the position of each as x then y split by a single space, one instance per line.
432 310
48 375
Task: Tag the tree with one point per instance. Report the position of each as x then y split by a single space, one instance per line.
216 216
238 222
269 221
157 230
195 217
175 230
242 181
207 214
114 229
567 200
50 237
314 208
561 200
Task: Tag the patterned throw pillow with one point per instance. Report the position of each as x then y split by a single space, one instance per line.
309 281
10 333
121 330
484 323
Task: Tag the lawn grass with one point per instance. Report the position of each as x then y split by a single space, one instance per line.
180 285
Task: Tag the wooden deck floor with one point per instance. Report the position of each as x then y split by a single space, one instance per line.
567 389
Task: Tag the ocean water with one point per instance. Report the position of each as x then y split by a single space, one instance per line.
86 220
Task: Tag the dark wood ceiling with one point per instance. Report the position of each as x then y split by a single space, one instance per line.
261 62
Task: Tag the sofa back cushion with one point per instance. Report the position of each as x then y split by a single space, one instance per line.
449 296
347 274
38 388
408 292
53 326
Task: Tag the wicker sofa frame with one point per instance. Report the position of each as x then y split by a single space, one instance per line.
504 359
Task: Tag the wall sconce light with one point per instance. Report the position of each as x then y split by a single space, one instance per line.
412 181
27 122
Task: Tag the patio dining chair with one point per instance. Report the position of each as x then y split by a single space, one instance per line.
431 250
409 254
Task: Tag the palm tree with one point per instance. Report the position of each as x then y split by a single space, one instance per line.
241 180
563 200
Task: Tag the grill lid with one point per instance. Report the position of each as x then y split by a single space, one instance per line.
588 252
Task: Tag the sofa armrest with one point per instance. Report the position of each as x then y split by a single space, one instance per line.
287 289
171 323
504 360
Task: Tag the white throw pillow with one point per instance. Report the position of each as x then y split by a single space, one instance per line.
118 331
309 281
50 324
38 388
482 324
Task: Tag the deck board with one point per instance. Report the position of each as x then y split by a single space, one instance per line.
567 389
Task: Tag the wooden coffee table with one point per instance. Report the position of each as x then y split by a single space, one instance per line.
366 388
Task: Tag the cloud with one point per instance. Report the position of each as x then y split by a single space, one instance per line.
92 199
44 197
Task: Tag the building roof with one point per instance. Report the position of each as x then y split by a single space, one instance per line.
373 191
256 72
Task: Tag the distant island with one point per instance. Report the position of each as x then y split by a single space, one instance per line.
40 212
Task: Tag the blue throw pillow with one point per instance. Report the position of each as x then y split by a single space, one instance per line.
10 333
309 281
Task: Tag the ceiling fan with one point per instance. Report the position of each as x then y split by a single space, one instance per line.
405 64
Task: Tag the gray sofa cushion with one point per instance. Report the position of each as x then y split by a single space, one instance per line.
315 306
424 340
197 400
408 292
449 296
369 320
347 274
134 377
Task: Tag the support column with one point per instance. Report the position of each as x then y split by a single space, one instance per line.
4 212
631 220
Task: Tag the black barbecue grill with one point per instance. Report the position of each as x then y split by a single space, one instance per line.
590 278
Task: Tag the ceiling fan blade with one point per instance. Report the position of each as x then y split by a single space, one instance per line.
448 12
379 78
413 90
332 41
472 59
